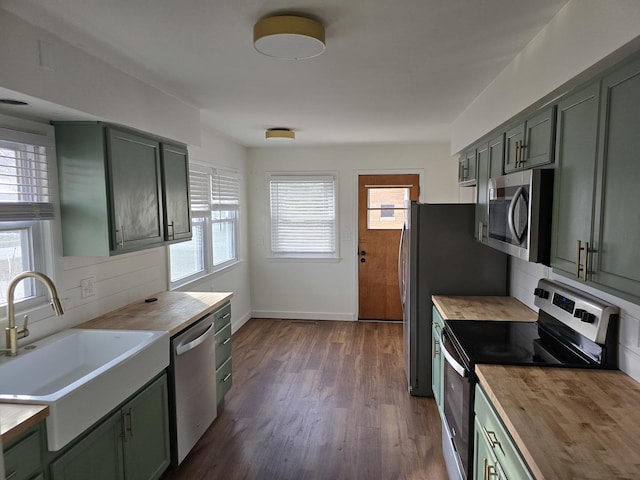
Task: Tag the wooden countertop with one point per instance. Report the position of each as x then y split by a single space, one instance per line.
483 308
16 419
569 423
172 312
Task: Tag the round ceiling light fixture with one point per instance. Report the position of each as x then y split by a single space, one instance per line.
280 134
13 102
289 36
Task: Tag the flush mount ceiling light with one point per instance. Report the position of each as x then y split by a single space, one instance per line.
289 36
280 134
12 101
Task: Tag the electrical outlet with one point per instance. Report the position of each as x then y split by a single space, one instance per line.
86 287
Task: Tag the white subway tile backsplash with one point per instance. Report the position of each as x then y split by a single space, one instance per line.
523 279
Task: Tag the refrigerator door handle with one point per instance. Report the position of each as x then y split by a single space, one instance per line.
401 267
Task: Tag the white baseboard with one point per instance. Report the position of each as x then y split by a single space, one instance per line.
236 324
347 317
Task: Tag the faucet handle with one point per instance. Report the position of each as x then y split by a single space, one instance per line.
24 331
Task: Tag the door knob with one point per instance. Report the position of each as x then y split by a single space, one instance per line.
362 260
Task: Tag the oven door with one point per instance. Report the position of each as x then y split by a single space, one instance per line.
457 401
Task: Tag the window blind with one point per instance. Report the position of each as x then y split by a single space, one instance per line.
213 189
303 218
199 189
24 178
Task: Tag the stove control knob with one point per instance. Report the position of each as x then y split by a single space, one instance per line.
584 316
541 292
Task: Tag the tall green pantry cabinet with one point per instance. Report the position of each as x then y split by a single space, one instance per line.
120 190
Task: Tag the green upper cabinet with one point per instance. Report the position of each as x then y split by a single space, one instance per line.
112 195
596 224
490 158
467 169
574 182
531 143
616 257
136 191
175 179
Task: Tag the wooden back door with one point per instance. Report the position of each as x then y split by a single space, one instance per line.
381 214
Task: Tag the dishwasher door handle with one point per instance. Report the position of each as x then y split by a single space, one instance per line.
184 348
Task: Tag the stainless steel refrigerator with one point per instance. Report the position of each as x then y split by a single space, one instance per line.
440 256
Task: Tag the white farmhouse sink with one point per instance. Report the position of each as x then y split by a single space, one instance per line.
82 375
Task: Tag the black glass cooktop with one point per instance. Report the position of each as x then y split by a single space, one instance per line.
510 343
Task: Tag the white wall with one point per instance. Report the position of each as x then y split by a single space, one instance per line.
581 34
322 289
84 84
524 278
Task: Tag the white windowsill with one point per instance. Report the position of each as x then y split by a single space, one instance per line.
180 285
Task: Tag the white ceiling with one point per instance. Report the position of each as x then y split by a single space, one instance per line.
393 71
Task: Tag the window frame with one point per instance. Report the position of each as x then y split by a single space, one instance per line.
44 231
205 217
304 256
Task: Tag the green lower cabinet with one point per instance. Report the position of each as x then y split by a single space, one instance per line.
437 360
224 380
98 456
23 458
131 444
495 453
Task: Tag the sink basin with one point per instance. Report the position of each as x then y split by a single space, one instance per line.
82 375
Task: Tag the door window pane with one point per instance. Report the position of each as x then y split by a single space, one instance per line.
386 207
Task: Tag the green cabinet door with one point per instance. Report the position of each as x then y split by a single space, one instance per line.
175 179
496 156
538 147
146 433
512 141
437 361
98 456
616 256
485 465
23 457
134 166
467 168
482 196
574 182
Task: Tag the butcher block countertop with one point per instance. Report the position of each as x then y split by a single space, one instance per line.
483 308
569 423
16 419
171 312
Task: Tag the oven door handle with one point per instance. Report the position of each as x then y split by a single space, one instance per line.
460 369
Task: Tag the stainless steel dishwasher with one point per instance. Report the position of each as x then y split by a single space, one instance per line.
193 375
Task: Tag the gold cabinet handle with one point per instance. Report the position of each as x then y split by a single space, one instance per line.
226 377
492 439
578 250
11 475
173 231
488 470
522 147
226 341
585 271
517 153
226 315
121 243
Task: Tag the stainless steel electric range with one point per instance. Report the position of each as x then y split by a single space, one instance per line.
573 329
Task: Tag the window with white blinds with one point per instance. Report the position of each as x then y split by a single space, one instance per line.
303 215
215 201
26 204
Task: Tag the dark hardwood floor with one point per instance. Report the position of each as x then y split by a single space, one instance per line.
318 400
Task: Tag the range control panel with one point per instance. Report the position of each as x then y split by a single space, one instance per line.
581 311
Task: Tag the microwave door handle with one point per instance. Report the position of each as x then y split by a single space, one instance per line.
512 212
460 370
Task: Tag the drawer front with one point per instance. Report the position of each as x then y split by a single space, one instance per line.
23 460
224 380
222 317
499 440
223 345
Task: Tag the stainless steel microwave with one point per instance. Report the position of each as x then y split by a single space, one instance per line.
520 208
